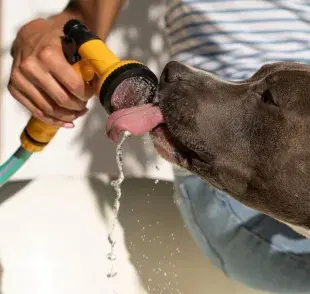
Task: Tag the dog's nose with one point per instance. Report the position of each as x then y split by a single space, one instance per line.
173 72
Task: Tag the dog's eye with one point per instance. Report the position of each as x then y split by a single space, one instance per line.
267 98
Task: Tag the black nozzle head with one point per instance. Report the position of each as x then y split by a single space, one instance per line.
70 25
78 32
124 72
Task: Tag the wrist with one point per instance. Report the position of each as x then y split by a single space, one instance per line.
59 20
54 22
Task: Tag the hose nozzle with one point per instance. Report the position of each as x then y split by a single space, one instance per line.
94 59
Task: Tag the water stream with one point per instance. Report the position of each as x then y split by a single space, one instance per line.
117 186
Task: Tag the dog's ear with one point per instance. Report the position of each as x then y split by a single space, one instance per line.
290 90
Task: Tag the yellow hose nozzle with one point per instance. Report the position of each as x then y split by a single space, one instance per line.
37 135
95 59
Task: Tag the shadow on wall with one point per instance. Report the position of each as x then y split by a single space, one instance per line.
136 36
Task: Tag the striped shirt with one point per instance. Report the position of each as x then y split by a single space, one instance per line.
234 38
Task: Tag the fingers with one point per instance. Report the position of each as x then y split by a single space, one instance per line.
40 104
36 112
48 86
54 61
41 78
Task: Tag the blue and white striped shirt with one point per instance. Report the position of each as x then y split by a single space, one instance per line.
234 38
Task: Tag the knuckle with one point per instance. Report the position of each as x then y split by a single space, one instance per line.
47 53
11 89
13 92
14 76
76 86
37 113
48 110
63 100
28 64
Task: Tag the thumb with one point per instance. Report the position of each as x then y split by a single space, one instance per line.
95 84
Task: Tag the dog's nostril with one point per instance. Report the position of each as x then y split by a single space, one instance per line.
166 74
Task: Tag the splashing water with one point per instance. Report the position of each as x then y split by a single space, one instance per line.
133 91
117 186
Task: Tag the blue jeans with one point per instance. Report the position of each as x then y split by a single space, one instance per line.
245 244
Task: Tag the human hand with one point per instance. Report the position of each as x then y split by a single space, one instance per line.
42 79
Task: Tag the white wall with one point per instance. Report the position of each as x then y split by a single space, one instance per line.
85 150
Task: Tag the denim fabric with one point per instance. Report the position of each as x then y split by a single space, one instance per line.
245 244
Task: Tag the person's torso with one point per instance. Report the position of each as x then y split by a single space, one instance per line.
234 38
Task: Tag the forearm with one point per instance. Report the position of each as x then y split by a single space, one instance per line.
107 13
98 15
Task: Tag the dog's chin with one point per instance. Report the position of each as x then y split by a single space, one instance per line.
164 143
174 151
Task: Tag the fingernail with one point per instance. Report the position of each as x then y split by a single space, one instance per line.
68 125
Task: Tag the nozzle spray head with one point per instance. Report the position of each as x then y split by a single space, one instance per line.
129 85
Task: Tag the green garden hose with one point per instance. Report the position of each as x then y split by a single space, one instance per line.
13 164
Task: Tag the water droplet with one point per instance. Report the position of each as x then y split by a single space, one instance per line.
111 275
111 256
156 181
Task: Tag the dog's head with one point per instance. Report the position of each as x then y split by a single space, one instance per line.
250 139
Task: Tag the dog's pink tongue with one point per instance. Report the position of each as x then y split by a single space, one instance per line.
137 120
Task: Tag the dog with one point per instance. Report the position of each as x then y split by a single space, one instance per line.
250 139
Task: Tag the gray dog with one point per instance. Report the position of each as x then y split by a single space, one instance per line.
250 139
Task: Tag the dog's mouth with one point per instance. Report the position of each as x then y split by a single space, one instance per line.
167 146
175 151
148 118
137 120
